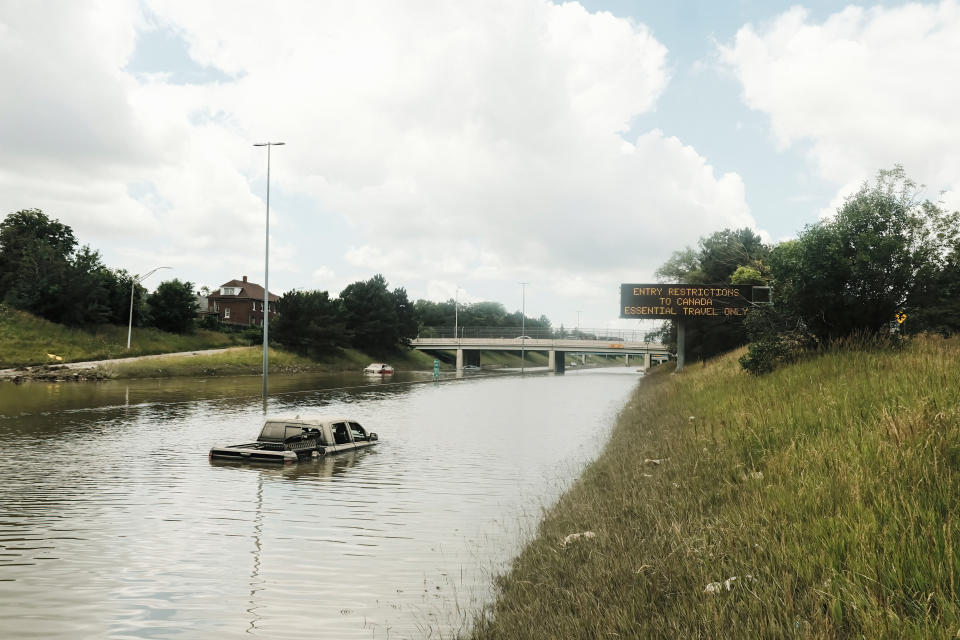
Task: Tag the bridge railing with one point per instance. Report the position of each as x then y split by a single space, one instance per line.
608 335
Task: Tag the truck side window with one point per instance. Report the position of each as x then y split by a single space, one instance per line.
358 432
340 433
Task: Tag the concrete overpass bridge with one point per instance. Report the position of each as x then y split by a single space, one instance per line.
474 339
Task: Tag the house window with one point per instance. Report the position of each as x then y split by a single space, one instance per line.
226 313
229 291
216 307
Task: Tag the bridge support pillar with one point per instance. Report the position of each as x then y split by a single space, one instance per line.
646 361
556 361
459 359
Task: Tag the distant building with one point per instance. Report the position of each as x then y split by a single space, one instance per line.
201 304
240 302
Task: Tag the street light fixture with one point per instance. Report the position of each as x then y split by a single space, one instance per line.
266 274
133 282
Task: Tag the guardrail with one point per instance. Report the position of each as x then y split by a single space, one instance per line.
600 335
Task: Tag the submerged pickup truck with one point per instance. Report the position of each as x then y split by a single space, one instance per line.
287 440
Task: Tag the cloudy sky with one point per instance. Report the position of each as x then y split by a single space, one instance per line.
460 148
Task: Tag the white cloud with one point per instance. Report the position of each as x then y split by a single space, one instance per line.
323 275
868 88
458 141
443 290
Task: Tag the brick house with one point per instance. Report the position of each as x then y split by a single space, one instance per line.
240 302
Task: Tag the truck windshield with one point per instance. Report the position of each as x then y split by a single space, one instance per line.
272 431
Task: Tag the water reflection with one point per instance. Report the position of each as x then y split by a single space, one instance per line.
317 469
113 522
256 583
31 398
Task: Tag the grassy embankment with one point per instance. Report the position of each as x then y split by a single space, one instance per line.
26 340
249 361
828 488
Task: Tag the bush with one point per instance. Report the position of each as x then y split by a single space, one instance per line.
775 339
209 321
773 350
252 336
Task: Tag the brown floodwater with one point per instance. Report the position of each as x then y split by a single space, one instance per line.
114 523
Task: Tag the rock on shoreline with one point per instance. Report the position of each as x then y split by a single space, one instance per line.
52 373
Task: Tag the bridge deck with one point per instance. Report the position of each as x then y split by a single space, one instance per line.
538 344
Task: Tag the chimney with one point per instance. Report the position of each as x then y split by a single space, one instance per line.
244 278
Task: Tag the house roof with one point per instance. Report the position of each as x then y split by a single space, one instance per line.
248 289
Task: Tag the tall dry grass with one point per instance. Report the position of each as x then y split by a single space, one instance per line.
828 490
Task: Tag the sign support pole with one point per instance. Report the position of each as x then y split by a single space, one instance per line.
681 347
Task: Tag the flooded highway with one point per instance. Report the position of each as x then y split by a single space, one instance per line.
114 523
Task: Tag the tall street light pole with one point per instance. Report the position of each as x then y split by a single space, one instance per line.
523 324
578 322
266 275
456 310
133 282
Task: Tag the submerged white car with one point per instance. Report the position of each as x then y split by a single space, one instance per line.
379 368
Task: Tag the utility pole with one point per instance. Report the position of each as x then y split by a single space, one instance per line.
680 346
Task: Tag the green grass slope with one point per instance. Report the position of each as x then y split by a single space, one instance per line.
820 501
249 361
27 340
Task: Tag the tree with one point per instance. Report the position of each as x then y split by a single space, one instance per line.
729 256
934 304
747 275
35 255
120 299
682 267
92 295
310 323
43 272
853 272
723 252
407 324
28 240
483 314
173 306
379 320
434 314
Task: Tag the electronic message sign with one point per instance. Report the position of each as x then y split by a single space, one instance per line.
678 301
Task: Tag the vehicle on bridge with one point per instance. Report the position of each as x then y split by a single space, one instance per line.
287 440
